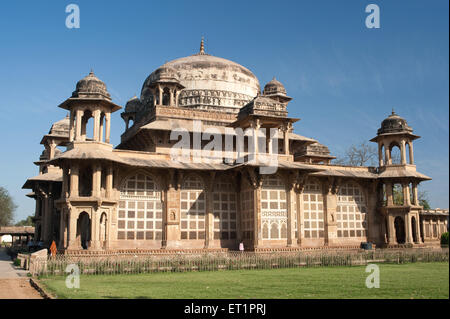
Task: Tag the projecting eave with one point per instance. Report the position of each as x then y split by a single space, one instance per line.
85 154
410 135
346 173
268 121
47 177
67 103
407 174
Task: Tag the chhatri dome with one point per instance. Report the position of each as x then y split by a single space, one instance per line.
208 81
91 87
394 124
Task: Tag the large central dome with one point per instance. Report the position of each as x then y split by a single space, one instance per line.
211 82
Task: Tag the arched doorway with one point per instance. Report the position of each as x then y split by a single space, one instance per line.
84 230
399 225
414 227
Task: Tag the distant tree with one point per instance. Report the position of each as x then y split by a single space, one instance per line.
7 208
424 200
26 222
361 154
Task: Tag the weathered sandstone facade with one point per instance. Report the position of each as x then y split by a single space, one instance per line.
135 196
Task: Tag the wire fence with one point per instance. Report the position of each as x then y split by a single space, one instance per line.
226 261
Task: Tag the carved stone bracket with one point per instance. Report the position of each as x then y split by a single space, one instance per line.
301 180
254 179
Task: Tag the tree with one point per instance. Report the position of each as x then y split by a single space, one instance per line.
361 154
7 208
423 200
26 222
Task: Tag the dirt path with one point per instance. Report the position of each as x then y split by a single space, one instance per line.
17 288
14 283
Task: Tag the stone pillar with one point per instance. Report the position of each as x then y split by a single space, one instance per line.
51 149
299 203
209 217
389 194
177 98
403 152
239 235
78 125
172 210
387 155
74 180
406 195
291 203
108 127
286 141
391 230
415 194
72 222
160 95
65 183
419 238
109 181
408 230
257 216
171 103
95 243
255 125
411 153
62 229
96 180
380 154
72 126
330 205
96 125
102 125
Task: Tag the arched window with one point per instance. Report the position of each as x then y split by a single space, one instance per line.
351 211
192 199
140 209
166 96
313 216
273 205
87 125
84 230
396 157
224 209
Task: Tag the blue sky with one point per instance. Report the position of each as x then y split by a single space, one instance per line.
344 78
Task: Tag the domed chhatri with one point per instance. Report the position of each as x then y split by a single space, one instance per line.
91 87
394 124
275 90
274 87
132 105
165 74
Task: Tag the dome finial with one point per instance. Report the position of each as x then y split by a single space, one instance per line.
393 112
92 72
202 46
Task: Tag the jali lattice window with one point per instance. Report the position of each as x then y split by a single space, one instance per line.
193 208
224 204
140 209
313 216
273 208
351 211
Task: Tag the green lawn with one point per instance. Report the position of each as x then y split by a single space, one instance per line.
415 280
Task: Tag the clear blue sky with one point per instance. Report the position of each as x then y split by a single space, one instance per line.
344 78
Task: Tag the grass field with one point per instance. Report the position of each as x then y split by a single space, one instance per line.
405 281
